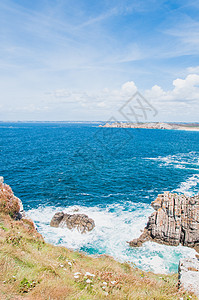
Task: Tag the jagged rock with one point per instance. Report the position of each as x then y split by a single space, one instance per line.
9 203
174 221
80 221
189 275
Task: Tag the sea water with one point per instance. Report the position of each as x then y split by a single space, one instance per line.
110 174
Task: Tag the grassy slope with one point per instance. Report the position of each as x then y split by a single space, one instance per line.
33 269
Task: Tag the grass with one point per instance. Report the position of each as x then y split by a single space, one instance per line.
33 269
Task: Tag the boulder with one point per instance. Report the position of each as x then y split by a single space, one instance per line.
175 221
79 221
189 275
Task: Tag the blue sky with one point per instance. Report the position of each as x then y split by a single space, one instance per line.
81 60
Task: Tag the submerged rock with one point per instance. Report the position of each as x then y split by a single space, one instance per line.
80 221
174 221
189 275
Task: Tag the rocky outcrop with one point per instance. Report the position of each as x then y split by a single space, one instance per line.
175 221
80 221
189 275
9 203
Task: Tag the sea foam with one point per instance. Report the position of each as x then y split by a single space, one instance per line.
115 225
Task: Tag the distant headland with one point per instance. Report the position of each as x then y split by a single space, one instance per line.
154 125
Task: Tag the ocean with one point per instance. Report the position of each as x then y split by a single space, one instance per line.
110 174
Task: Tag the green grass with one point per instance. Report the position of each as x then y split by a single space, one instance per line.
33 269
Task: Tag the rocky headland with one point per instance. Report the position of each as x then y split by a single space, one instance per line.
175 221
153 125
33 269
79 221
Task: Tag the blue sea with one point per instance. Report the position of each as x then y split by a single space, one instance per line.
110 174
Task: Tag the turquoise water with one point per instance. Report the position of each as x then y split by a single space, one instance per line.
110 174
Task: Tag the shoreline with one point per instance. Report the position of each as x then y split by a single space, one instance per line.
153 125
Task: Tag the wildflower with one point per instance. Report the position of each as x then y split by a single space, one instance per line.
113 282
89 274
104 283
61 265
77 273
69 263
103 287
76 276
88 281
106 293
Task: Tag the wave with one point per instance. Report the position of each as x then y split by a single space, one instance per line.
115 225
188 160
190 187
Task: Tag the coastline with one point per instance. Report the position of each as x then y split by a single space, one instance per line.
153 125
39 270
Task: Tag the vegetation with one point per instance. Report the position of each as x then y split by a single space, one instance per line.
33 269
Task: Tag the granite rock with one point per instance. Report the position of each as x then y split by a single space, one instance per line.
79 221
175 221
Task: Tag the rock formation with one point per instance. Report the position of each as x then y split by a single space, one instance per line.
189 275
9 203
174 221
80 221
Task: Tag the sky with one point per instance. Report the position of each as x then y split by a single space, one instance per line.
64 60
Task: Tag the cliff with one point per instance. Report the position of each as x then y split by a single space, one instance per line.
175 221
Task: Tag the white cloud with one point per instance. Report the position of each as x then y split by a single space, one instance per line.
193 69
184 90
129 87
106 98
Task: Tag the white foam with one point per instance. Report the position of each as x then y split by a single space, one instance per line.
187 186
115 224
188 160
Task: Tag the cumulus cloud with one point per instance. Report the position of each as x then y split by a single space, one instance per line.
101 99
171 104
185 90
129 87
